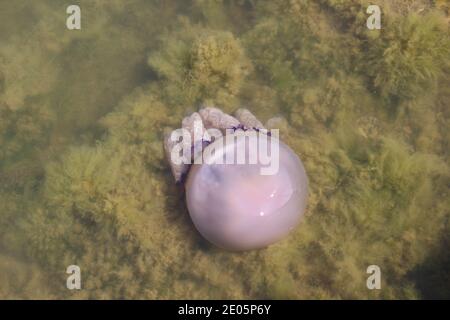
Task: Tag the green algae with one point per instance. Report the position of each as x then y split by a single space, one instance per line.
84 179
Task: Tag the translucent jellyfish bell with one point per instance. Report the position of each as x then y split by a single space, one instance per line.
234 205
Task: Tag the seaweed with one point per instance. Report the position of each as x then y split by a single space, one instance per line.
83 179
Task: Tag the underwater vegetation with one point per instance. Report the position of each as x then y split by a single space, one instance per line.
410 57
83 177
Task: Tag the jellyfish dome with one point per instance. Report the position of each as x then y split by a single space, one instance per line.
243 206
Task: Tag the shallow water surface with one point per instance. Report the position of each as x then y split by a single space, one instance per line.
84 180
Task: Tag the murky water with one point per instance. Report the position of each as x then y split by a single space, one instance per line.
84 180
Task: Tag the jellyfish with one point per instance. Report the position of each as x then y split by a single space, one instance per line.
245 189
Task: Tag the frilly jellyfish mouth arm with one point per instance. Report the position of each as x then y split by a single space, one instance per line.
247 119
217 119
208 118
